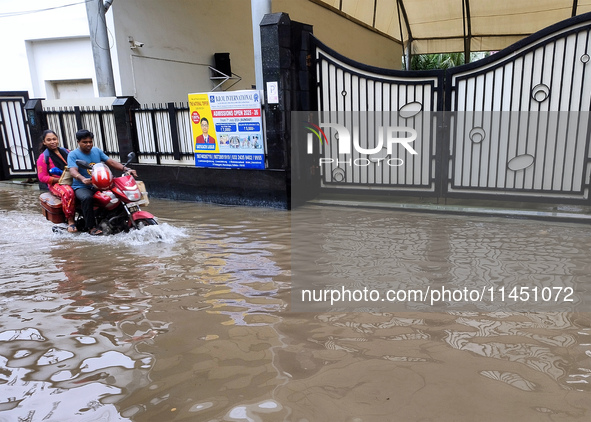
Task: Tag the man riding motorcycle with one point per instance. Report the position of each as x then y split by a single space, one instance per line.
82 183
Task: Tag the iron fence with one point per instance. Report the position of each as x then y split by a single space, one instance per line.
65 121
513 126
164 134
162 131
16 155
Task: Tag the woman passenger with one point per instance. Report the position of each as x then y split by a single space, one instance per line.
53 157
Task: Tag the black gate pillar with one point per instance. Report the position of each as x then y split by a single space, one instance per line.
286 56
276 57
37 123
125 126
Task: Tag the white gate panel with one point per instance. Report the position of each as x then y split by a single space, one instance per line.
370 98
530 109
14 133
513 126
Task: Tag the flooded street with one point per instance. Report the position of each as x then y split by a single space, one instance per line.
191 320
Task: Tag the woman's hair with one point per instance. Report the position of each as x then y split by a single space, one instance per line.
43 147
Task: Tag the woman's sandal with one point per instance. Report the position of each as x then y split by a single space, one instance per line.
72 228
95 232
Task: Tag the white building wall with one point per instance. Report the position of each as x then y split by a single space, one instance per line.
180 38
46 45
48 52
53 63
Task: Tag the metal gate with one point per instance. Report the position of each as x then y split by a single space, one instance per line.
512 126
16 152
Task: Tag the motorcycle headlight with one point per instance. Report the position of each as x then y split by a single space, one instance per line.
133 195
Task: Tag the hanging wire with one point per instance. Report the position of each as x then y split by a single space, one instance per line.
28 12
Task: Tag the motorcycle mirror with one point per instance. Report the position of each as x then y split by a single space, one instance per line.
130 158
83 164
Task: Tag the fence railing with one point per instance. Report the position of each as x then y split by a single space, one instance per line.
164 134
65 121
161 132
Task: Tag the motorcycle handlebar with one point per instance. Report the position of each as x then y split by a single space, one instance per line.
87 166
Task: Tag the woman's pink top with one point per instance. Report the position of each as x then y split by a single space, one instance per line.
43 171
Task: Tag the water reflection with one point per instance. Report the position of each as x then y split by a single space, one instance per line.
73 317
492 264
191 321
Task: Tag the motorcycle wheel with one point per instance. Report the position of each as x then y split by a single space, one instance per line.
144 222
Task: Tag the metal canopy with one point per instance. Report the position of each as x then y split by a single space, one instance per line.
444 26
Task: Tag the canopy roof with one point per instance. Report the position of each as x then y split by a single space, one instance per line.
444 26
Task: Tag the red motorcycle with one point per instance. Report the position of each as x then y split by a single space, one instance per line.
117 202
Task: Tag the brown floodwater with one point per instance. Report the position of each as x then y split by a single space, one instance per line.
191 321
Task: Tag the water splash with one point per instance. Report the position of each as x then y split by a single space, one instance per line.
164 233
18 228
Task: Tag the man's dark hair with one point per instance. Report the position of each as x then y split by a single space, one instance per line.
83 134
203 119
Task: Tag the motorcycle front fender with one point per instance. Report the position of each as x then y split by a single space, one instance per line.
141 215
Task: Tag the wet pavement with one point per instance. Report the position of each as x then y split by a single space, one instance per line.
191 320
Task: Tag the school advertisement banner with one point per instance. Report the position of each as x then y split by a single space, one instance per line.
227 129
